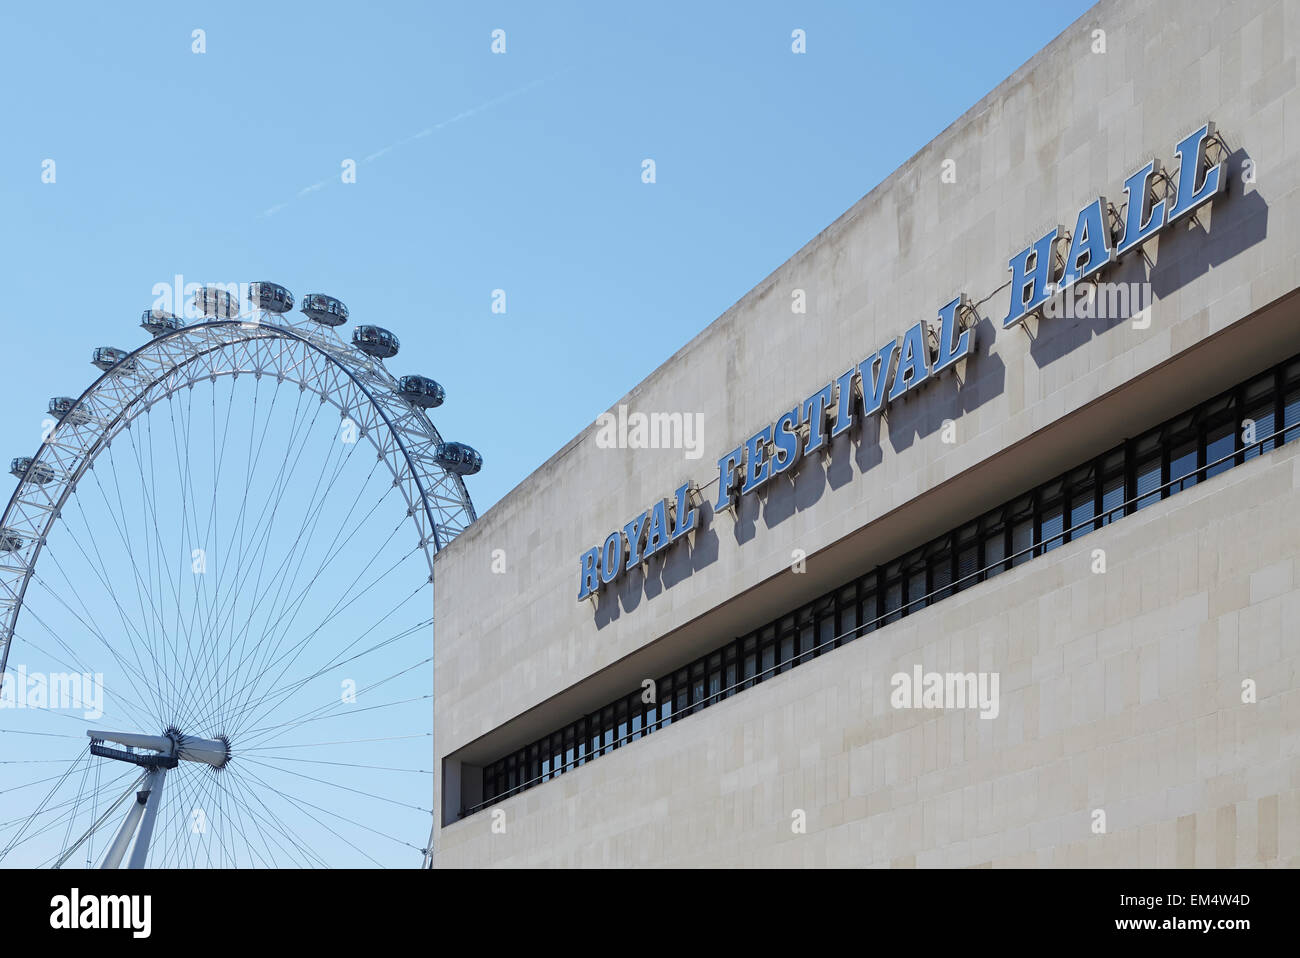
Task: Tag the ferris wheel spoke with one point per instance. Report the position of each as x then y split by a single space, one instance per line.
229 812
235 675
127 701
300 549
255 663
143 631
182 820
197 826
337 663
287 691
303 805
298 648
331 552
99 567
219 449
270 655
316 716
289 840
62 807
129 631
256 443
203 596
188 516
223 612
67 811
376 768
163 648
240 635
338 742
270 827
238 553
154 550
93 630
170 572
72 812
40 809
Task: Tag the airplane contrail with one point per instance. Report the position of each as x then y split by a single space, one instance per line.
427 131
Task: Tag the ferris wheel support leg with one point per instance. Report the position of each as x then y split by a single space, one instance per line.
141 850
116 851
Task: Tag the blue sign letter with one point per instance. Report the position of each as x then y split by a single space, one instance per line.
882 361
758 468
590 580
1191 154
1089 246
1138 204
814 413
953 350
611 558
912 367
727 477
1029 288
686 515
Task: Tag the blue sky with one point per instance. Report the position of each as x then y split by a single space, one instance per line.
475 172
169 162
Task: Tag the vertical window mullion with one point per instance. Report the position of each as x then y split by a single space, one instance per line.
1238 443
1279 408
1202 454
1166 448
1130 478
1098 491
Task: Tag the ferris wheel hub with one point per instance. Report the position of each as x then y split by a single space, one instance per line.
168 749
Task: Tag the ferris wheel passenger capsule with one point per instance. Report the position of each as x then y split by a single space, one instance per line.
158 322
458 458
421 391
271 297
216 303
10 541
375 341
325 310
65 409
108 357
25 467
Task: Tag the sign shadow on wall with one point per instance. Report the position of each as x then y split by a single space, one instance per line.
1182 253
845 459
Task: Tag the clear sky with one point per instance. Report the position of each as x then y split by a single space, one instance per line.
527 177
475 171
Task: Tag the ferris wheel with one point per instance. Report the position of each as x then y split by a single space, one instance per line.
216 599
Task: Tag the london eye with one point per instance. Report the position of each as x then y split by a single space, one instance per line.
216 600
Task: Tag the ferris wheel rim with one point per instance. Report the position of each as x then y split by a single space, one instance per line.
105 434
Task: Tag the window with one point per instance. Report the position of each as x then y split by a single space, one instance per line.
870 613
1051 507
1150 471
1022 531
893 601
1182 466
1083 502
1220 444
848 603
